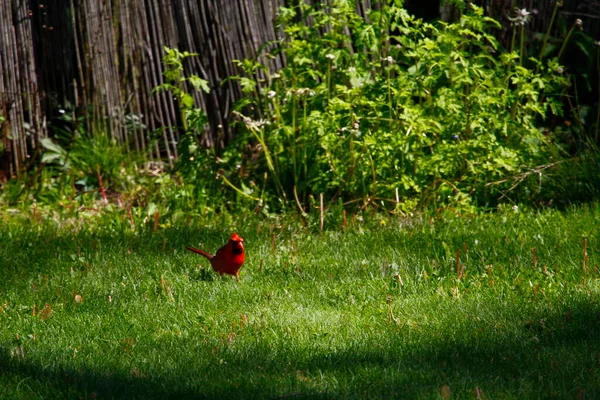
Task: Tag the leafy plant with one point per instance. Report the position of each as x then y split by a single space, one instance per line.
96 162
392 110
193 119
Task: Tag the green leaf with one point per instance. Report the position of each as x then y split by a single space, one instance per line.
187 101
199 83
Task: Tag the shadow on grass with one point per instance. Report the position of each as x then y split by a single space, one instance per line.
30 380
556 356
32 252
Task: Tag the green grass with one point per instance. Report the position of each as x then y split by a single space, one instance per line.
376 311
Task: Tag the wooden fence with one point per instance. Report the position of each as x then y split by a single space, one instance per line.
99 60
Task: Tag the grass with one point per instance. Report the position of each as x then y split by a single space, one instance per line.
99 311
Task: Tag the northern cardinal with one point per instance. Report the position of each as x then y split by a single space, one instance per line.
229 258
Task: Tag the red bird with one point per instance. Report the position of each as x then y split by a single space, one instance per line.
229 258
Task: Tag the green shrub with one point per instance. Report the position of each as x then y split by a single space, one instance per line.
391 108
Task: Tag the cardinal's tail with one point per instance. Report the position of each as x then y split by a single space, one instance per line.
201 252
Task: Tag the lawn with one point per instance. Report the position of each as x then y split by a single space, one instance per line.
380 309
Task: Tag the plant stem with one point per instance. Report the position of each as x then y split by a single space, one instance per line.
293 138
564 45
389 93
329 85
522 44
512 41
556 5
305 160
